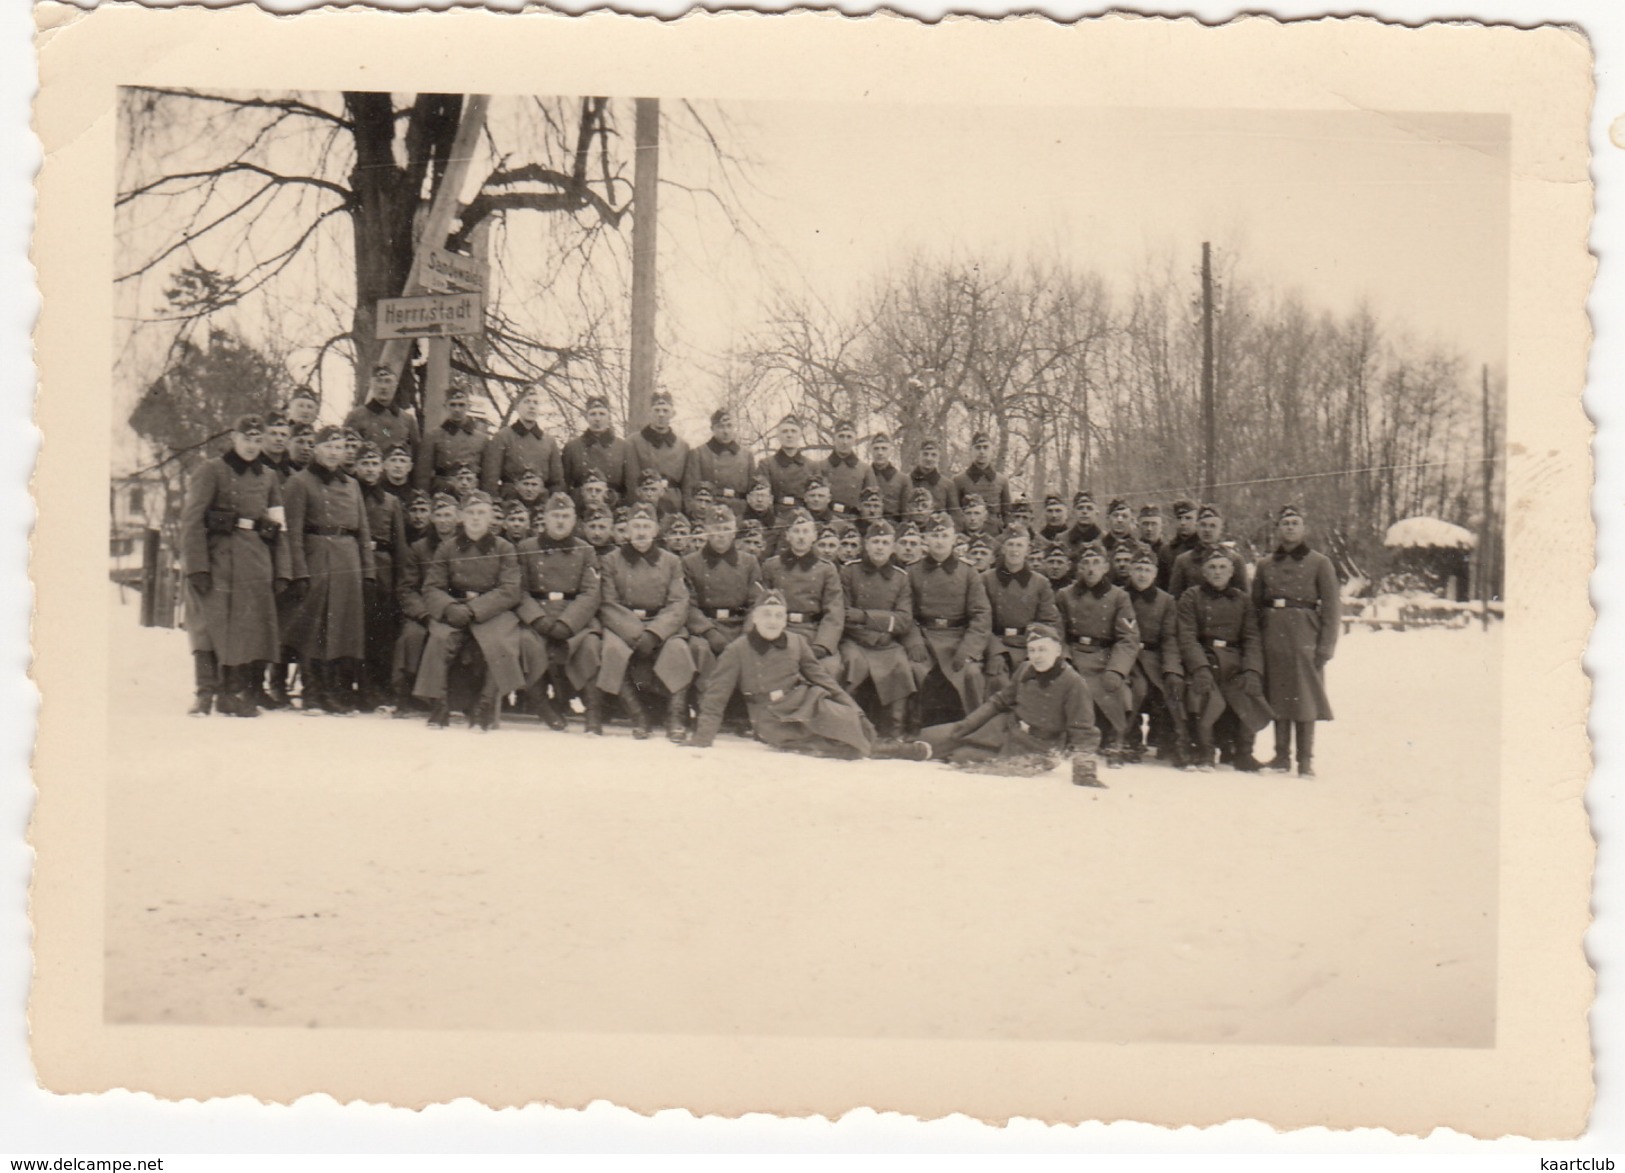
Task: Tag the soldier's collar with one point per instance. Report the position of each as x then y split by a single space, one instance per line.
786 458
658 438
238 464
921 474
1023 576
327 475
762 645
1146 595
948 565
1098 590
850 460
546 542
1213 592
603 439
651 555
980 472
801 561
730 555
1051 672
870 567
887 470
729 446
525 429
484 545
379 408
452 425
1298 553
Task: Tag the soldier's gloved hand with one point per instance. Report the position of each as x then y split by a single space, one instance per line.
1202 680
458 615
716 641
267 529
822 652
647 644
1321 659
857 617
1173 685
202 581
1252 684
559 630
918 655
298 588
956 662
280 586
1113 680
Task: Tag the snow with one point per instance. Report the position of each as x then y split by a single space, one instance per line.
365 872
1429 532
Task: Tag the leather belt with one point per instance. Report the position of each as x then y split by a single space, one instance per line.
1280 603
723 612
330 531
729 493
553 596
380 543
805 616
1217 643
639 612
776 695
1011 632
943 624
787 500
1032 730
465 596
1090 641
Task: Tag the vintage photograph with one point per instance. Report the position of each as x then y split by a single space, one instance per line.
894 570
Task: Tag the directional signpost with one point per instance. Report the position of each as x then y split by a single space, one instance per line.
431 315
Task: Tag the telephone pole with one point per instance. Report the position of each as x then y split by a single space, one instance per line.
1210 471
645 216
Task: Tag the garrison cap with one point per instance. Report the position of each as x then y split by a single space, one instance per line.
828 531
1118 505
1216 554
880 436
368 451
1011 532
844 425
704 488
530 474
1184 507
1289 511
351 434
981 438
1144 557
596 401
939 523
772 598
560 503
443 501
400 449
1081 496
1150 511
798 516
642 511
980 542
1052 499
1209 510
970 499
594 477
248 423
749 525
303 430
929 445
456 392
516 508
304 392
650 476
870 494
759 482
816 481
675 522
908 530
1092 550
416 497
722 515
661 396
1057 551
463 466
792 419
1038 631
880 528
329 433
477 497
599 513
276 418
1019 501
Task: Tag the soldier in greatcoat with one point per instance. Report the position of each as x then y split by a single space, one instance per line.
879 620
1149 525
794 701
386 523
1044 708
472 590
644 612
990 485
301 447
789 467
562 639
928 477
235 556
1056 521
1299 611
303 407
1224 665
1185 525
380 419
599 448
890 480
523 444
846 473
441 513
721 463
1103 637
331 559
952 622
723 581
1017 598
760 510
1187 569
1084 531
811 588
274 453
656 446
458 439
1157 684
1058 567
598 530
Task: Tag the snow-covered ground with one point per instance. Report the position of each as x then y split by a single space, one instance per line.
317 871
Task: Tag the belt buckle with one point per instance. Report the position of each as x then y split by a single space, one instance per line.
1219 643
727 492
640 614
723 613
776 695
787 500
838 507
797 616
1011 631
1278 602
245 523
555 596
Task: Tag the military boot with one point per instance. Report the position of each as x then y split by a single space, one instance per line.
1086 770
593 702
635 712
483 716
902 750
1306 749
206 677
1281 763
541 707
276 690
677 717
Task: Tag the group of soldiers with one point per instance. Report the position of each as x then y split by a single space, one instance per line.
826 603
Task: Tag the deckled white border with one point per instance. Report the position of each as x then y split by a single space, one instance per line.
38 1124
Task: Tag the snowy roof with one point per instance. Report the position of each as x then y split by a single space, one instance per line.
1429 532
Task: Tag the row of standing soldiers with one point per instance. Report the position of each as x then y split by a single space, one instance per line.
333 570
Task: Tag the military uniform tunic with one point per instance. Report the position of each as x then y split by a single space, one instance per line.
384 426
666 454
722 588
444 448
1034 712
1016 600
1156 614
726 467
518 447
1218 630
644 591
330 544
788 475
237 619
414 611
604 451
1102 636
848 477
953 620
812 595
794 701
992 486
483 576
879 619
893 486
1299 613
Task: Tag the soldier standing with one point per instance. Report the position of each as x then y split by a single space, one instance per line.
561 642
1056 521
811 588
1044 708
278 431
645 605
952 620
1224 664
330 559
460 439
386 522
986 482
889 479
522 445
1084 531
1150 527
303 407
760 510
1017 598
1104 637
927 477
380 420
599 448
1157 684
235 557
1187 569
471 590
1185 536
1299 608
721 463
723 583
1119 525
788 469
847 475
656 446
879 618
397 479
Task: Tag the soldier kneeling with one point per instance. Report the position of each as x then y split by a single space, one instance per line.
1044 710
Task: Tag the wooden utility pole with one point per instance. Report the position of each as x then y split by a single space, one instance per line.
436 227
1210 472
645 219
1487 530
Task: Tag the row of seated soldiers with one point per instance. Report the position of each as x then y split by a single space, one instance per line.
916 641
